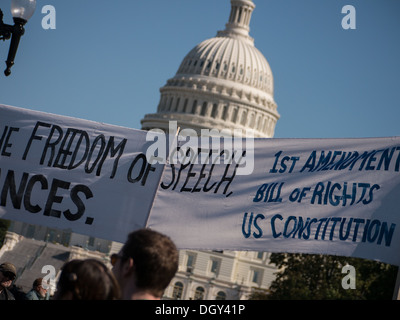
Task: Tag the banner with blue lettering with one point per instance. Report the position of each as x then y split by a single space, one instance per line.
324 196
328 196
72 174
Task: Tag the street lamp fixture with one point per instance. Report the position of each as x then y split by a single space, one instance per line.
21 11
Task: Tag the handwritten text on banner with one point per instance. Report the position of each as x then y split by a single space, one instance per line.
328 196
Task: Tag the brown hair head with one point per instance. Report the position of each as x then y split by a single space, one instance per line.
87 279
155 259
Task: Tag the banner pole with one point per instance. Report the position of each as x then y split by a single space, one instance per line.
396 291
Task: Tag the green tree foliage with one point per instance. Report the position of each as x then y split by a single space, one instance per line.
317 277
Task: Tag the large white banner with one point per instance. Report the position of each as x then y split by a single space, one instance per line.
73 174
328 196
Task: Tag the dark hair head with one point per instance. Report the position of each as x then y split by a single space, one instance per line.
37 282
87 280
155 259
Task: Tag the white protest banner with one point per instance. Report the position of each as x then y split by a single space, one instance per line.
324 196
328 196
73 174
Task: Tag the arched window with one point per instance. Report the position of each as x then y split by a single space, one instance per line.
258 122
170 103
225 113
240 15
204 109
214 111
252 120
265 125
234 115
177 104
185 105
194 107
220 295
244 118
199 293
178 290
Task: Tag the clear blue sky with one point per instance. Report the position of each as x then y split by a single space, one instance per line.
106 60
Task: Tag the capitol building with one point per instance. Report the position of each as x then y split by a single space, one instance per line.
224 82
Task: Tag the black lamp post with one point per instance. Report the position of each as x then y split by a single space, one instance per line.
21 11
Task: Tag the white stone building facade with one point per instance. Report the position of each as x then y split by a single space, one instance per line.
220 275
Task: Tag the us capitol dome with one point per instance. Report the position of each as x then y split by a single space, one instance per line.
223 83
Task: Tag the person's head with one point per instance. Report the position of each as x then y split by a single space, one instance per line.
146 264
37 286
8 272
86 280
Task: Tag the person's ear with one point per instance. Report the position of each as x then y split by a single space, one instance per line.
128 267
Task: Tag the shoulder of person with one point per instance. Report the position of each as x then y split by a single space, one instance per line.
31 295
9 294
